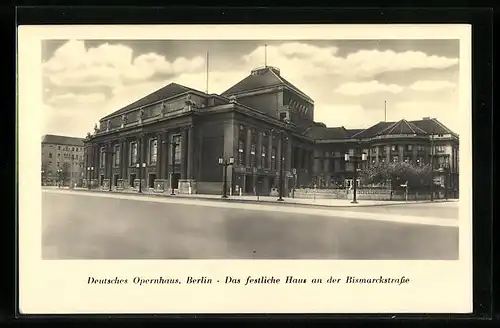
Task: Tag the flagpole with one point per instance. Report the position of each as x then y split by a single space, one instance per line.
385 110
265 55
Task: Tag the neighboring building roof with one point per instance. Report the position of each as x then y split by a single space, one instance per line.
425 126
261 78
403 127
165 92
432 125
62 140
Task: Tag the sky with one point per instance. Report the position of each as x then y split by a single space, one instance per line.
349 80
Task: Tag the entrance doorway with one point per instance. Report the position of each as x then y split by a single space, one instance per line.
248 184
101 180
131 179
115 180
175 180
151 180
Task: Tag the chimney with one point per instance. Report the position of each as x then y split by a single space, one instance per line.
426 118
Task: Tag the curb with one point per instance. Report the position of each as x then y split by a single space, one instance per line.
250 201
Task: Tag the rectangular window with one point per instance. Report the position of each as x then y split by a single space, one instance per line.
241 152
177 139
102 158
58 164
116 156
440 149
50 155
420 148
393 148
72 148
58 147
407 159
409 147
153 151
72 156
133 153
58 155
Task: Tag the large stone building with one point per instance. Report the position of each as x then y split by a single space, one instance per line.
176 135
62 159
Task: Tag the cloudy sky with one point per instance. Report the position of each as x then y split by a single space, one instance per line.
349 80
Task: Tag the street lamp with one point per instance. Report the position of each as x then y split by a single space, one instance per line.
59 174
225 163
355 159
90 171
138 166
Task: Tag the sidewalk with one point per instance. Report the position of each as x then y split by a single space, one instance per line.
303 202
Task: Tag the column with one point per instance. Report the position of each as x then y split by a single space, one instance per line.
288 158
377 153
183 154
279 153
326 164
259 151
247 147
159 152
124 158
401 154
269 149
165 158
414 154
190 152
388 154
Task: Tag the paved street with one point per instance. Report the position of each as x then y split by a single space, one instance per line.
81 225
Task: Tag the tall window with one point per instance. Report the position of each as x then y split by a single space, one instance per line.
273 158
263 156
409 147
178 149
102 159
117 156
440 149
420 148
153 151
50 155
241 152
133 153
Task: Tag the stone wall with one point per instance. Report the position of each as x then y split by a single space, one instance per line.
361 193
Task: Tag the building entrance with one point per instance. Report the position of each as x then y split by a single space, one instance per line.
151 180
115 180
131 179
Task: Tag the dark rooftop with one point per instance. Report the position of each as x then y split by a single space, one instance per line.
165 92
62 140
260 78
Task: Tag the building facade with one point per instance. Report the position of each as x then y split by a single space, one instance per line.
176 136
62 160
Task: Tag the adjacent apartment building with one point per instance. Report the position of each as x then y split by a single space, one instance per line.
62 160
177 136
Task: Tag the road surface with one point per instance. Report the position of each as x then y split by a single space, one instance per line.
79 225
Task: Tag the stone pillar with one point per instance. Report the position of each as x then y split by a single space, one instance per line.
159 152
183 154
247 147
165 157
401 153
190 152
377 153
279 152
414 154
288 158
387 154
270 149
258 151
317 162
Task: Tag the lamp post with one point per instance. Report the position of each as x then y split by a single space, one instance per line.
59 174
174 146
90 169
225 163
355 159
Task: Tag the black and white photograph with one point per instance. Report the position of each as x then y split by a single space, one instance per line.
341 148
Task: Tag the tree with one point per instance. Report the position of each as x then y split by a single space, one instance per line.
418 177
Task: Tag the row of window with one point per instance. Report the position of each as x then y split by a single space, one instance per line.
68 156
133 156
68 148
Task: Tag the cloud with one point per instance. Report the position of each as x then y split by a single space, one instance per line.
447 112
71 98
352 116
315 61
109 65
365 88
432 85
